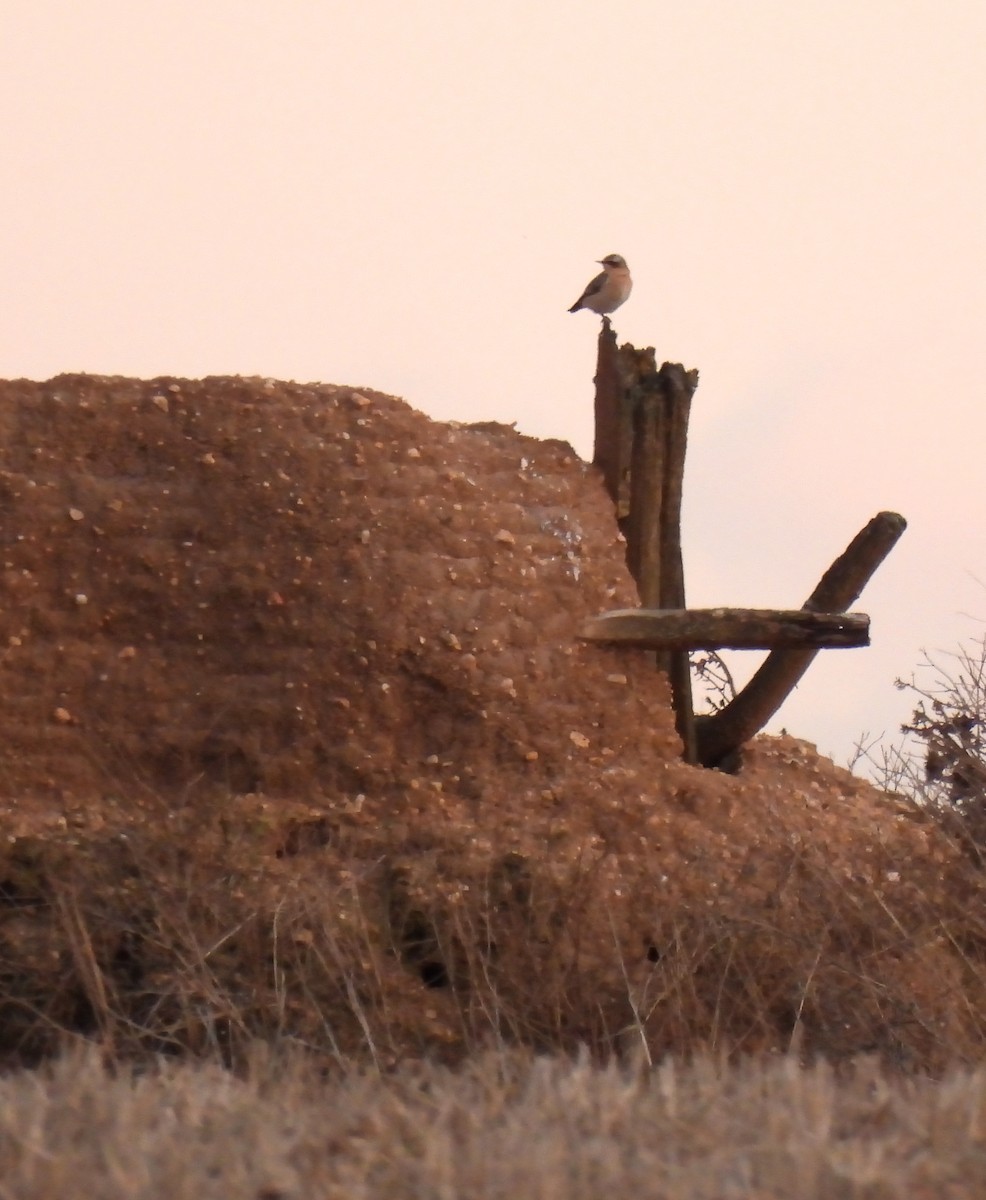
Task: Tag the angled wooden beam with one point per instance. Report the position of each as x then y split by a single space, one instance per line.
727 629
721 735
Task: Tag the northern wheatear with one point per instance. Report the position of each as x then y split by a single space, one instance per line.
609 289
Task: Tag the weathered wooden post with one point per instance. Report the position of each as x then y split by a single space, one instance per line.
641 438
614 423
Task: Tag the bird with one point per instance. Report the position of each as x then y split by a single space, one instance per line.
609 289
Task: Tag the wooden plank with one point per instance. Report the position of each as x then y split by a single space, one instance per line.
727 629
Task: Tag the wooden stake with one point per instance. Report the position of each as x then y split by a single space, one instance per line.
678 388
611 453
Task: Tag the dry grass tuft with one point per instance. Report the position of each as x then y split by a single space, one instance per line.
503 1125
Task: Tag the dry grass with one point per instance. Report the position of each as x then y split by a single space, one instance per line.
353 947
510 1127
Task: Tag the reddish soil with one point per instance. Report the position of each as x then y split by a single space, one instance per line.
317 635
286 589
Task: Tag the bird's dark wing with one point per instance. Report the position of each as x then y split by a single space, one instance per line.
594 286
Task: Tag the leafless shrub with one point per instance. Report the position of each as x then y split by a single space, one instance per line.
941 763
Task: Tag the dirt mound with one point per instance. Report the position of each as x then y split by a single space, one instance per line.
277 588
298 741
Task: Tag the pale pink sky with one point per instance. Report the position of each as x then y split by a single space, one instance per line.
408 195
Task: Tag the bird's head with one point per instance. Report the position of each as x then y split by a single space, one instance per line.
612 260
